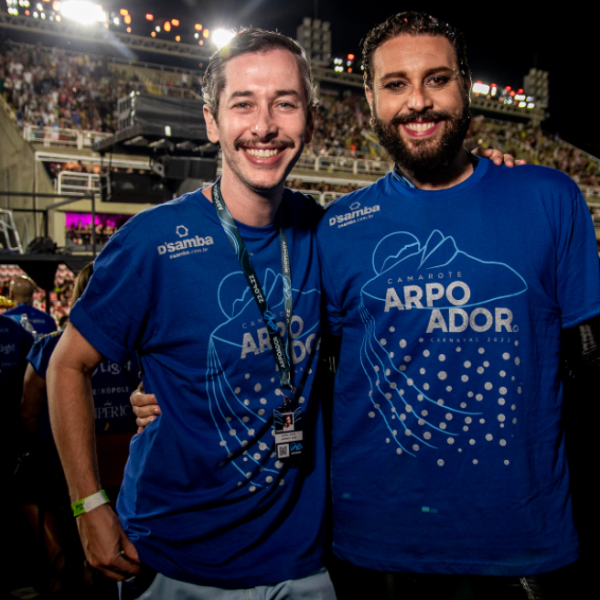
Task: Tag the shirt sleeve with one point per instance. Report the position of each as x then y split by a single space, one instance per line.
40 353
112 312
578 272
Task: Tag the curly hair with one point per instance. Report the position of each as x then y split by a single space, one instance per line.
412 23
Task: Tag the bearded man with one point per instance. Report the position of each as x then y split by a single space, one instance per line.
450 282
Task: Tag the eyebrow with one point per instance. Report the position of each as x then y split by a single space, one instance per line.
278 93
426 74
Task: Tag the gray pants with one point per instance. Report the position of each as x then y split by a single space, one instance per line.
316 586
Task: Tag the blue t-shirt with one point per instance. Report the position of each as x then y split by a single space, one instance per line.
112 385
448 452
14 345
205 499
42 322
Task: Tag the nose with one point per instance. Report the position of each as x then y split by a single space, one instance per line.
264 126
419 100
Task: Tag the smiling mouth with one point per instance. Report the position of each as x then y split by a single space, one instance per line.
420 126
263 152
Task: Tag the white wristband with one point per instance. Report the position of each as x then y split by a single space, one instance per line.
89 503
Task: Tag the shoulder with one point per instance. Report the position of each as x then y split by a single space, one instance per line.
535 177
157 219
357 204
303 207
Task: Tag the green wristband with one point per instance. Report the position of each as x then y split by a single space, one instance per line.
89 503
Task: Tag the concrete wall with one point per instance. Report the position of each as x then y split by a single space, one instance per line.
19 173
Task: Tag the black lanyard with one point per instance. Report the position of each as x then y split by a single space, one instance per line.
281 350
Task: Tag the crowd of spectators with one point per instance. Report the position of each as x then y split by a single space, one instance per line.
537 147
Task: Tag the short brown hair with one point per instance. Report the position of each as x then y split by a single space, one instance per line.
245 42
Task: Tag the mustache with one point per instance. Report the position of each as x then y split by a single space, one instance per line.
273 144
430 115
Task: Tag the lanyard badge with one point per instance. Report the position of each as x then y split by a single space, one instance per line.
287 420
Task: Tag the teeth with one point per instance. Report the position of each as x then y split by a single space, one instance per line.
262 153
419 126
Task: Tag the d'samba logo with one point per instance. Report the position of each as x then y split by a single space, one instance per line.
183 244
356 214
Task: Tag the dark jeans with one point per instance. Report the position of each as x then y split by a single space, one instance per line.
357 583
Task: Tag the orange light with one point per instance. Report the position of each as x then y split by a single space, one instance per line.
201 43
508 88
350 70
58 18
27 12
129 30
175 22
512 93
198 27
177 38
127 19
350 56
55 5
123 12
167 26
149 17
206 33
153 34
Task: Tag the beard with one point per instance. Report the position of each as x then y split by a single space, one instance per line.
423 158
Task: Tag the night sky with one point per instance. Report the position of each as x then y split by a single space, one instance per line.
505 39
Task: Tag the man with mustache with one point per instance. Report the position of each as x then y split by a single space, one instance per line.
451 282
219 293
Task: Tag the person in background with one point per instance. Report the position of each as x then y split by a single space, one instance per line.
40 484
21 292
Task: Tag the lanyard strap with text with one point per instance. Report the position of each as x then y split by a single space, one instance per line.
281 350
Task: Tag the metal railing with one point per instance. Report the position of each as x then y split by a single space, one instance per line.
70 183
344 164
56 137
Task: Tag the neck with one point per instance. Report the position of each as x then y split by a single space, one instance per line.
456 172
257 209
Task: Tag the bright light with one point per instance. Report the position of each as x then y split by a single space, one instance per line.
481 88
221 37
196 35
522 104
531 105
55 6
206 33
127 19
519 97
177 38
175 22
350 57
167 26
82 12
149 17
198 27
129 30
153 34
157 28
494 90
123 12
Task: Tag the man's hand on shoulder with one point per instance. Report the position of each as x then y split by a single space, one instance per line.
497 157
145 407
105 544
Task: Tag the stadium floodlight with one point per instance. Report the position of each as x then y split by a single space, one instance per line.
82 12
222 37
481 88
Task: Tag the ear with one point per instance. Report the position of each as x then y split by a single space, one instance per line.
212 128
468 83
369 94
310 129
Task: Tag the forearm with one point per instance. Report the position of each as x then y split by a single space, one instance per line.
72 418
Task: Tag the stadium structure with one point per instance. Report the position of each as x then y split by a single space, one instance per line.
93 130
